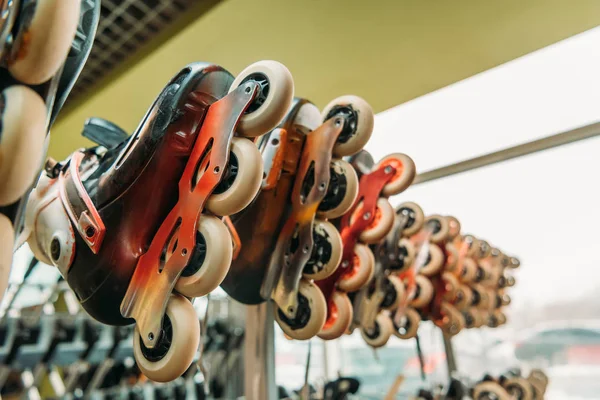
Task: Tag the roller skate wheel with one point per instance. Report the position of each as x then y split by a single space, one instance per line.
240 183
331 247
311 313
450 286
339 318
451 257
43 46
435 261
273 100
402 178
339 199
360 271
168 361
22 138
381 223
438 226
424 292
453 321
210 259
469 270
453 227
7 240
518 388
415 215
490 390
395 293
464 297
408 250
358 130
410 326
383 330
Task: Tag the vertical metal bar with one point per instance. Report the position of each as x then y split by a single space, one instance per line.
420 355
259 353
450 360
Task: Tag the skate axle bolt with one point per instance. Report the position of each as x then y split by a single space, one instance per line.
183 252
151 336
387 170
345 264
90 231
216 170
305 249
322 186
55 249
366 216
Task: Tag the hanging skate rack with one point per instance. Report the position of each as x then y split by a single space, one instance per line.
259 364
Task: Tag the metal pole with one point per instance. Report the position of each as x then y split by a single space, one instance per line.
520 150
259 353
451 361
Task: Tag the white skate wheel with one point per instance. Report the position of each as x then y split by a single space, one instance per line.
237 190
381 222
435 261
170 359
415 212
45 44
409 253
519 387
490 390
398 294
21 141
339 319
384 328
411 325
311 313
206 271
404 175
325 267
341 168
361 120
360 271
438 226
453 227
273 101
424 292
7 240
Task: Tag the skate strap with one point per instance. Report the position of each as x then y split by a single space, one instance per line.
104 133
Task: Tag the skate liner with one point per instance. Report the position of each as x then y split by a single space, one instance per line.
134 225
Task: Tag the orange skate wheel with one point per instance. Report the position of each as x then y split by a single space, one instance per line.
381 333
424 293
406 251
453 227
414 215
210 260
435 261
490 390
339 319
469 270
240 183
328 249
438 226
394 293
7 240
518 388
403 177
361 270
381 222
310 316
410 325
273 100
342 190
42 47
22 133
177 345
359 128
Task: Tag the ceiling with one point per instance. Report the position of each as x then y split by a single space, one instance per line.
388 52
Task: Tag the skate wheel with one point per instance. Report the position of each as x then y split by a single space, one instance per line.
484 249
342 190
327 253
514 263
361 270
22 134
477 316
518 388
499 318
450 286
394 293
438 226
273 100
44 45
453 321
210 260
490 390
505 300
241 182
311 313
177 346
381 333
424 293
381 222
411 325
469 270
7 240
453 227
415 216
451 257
403 177
339 317
435 261
464 297
406 251
358 127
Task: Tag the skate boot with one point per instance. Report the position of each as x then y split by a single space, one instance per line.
133 224
43 43
368 221
286 228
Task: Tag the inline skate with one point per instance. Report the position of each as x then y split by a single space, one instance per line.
43 47
133 223
368 221
284 237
